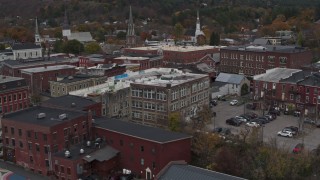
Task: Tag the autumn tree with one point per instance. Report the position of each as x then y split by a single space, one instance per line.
178 31
174 121
214 39
92 47
203 117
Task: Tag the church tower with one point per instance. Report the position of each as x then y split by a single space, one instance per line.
65 27
131 37
37 37
198 28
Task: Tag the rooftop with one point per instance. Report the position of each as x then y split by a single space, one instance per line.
296 77
188 172
47 68
267 48
21 46
8 82
81 36
275 74
70 102
131 58
75 78
37 62
230 78
178 48
139 131
311 80
30 116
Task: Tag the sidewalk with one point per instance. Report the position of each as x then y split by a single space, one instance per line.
19 171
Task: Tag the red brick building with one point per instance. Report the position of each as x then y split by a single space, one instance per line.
91 60
143 62
31 136
143 150
176 54
38 78
14 94
252 60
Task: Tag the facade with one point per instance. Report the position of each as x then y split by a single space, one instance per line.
131 36
253 60
38 78
14 94
144 150
63 85
26 51
75 103
143 62
155 96
177 54
32 136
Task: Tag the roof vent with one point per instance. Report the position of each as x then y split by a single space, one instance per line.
63 116
41 115
81 151
88 143
67 154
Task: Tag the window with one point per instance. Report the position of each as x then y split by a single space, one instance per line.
153 165
6 129
45 137
37 148
20 144
47 162
68 171
141 148
121 142
12 130
20 132
54 136
31 159
9 98
46 149
307 90
29 145
307 99
13 142
291 96
61 169
4 99
7 141
283 60
14 97
142 161
35 135
315 91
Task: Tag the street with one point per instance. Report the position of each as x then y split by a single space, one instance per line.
225 111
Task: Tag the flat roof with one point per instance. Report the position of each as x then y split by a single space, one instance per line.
139 131
37 61
75 78
48 68
70 101
275 74
29 116
177 48
268 48
131 58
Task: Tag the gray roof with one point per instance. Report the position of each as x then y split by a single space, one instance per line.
47 68
261 41
75 78
139 131
103 154
81 36
25 46
275 74
8 82
34 62
312 80
29 116
296 77
230 78
188 172
267 48
70 102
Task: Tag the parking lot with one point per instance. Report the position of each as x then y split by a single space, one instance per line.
225 111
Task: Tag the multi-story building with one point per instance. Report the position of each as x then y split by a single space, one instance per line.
26 51
64 85
38 77
107 70
31 136
14 94
177 54
144 150
143 62
252 60
155 95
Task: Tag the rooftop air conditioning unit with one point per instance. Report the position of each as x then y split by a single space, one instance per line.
67 154
81 151
41 115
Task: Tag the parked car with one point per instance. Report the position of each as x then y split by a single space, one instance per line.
248 118
286 112
294 129
233 122
241 118
309 121
234 102
269 116
274 111
296 113
213 102
264 118
222 131
252 115
259 121
251 106
285 133
252 124
298 148
221 98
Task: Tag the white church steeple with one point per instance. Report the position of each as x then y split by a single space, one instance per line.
198 28
37 38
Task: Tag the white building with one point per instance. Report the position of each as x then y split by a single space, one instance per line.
26 51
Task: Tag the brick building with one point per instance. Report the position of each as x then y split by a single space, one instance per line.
143 62
91 60
252 60
38 78
63 85
143 150
108 70
177 54
14 94
13 68
31 136
74 103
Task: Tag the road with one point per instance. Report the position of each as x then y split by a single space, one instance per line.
224 111
21 172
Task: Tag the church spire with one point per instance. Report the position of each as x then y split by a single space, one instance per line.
130 24
198 28
198 22
37 39
131 37
65 27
